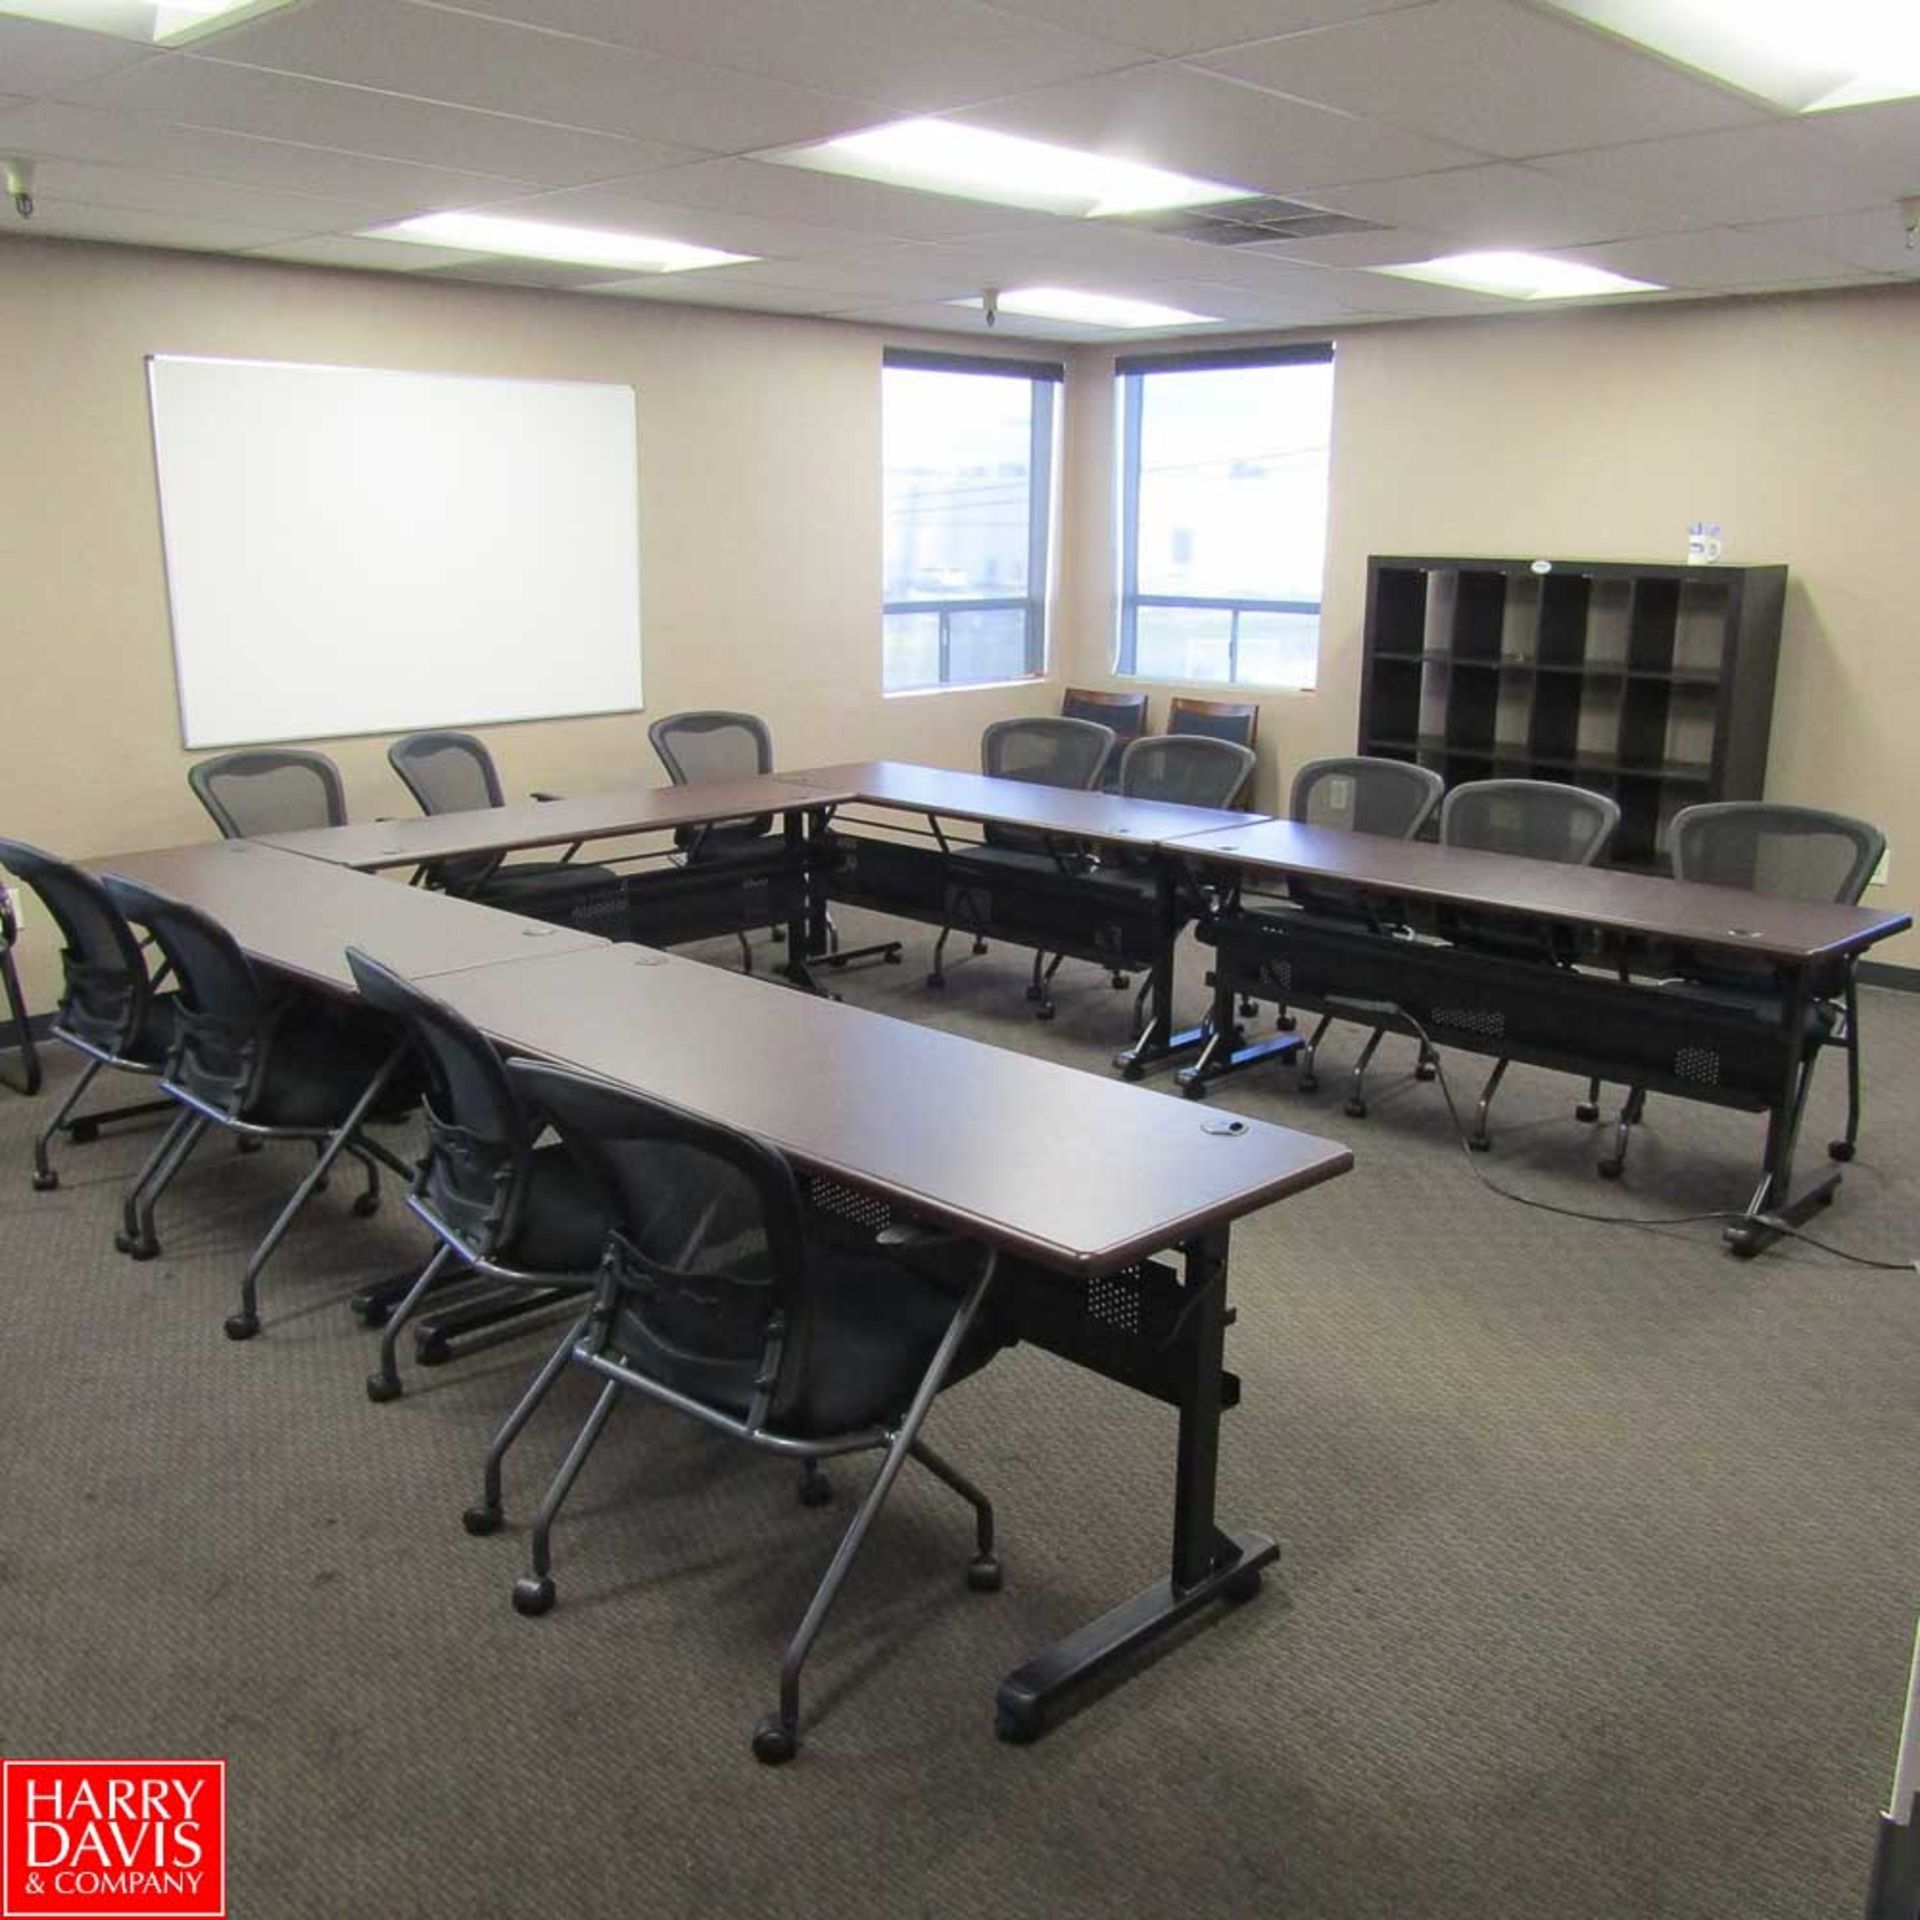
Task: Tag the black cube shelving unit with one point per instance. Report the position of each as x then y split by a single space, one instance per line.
1653 684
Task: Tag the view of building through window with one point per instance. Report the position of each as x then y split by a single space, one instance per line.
969 461
1223 517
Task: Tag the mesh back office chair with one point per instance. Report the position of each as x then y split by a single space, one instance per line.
1235 720
722 1297
110 1012
1539 820
454 773
1125 713
1355 793
265 1062
499 1206
29 1081
1045 752
269 791
1794 853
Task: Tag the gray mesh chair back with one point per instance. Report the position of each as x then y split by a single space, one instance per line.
106 986
450 773
1048 751
269 791
1363 793
1542 819
1190 770
478 1135
1796 853
710 745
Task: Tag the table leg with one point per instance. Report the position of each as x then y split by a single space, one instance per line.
1158 1042
1205 1565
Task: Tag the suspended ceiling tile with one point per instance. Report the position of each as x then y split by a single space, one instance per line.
1201 24
504 272
629 206
1510 206
212 93
354 250
1201 124
913 55
37 58
1875 239
969 327
1490 74
49 128
1720 258
58 218
139 189
682 289
1748 174
461 59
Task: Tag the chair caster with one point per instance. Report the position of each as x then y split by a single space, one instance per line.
1741 1242
1192 1087
481 1520
774 1742
83 1133
1479 1143
1241 1587
1033 993
983 1574
1284 1024
240 1326
533 1597
1018 1726
936 979
1426 1070
1839 1149
1356 1109
381 1388
1119 982
1587 1111
1309 1081
246 1144
979 946
1250 1008
136 1249
45 1182
366 1206
816 1490
1611 1169
1044 1012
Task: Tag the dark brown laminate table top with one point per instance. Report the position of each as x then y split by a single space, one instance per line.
1070 1169
1639 904
300 916
1015 803
373 844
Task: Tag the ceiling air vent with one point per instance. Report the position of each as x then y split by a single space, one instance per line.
1252 222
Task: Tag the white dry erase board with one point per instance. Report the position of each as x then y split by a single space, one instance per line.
353 550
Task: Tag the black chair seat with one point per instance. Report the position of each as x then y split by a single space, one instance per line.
876 1327
563 1220
547 886
727 841
1818 1020
321 1066
150 1046
1034 863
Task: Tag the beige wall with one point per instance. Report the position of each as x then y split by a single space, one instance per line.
1594 435
759 497
1794 422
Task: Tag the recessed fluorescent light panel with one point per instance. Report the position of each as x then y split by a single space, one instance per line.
942 156
164 23
1090 309
1520 276
544 240
1803 56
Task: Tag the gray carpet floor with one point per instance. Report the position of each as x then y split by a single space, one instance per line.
1597 1589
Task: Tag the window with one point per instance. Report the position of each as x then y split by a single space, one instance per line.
1223 515
969 462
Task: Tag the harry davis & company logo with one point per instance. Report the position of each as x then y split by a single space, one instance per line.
113 1839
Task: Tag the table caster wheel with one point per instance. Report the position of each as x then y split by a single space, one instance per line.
1240 1587
774 1742
1426 1070
1356 1109
240 1326
1611 1169
1017 1726
1043 1013
533 1597
1194 1089
380 1389
137 1249
1309 1081
1839 1149
366 1206
816 1490
1741 1243
936 979
481 1520
979 946
983 1574
1587 1111
1479 1143
45 1182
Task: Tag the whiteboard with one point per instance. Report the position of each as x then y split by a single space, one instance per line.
353 550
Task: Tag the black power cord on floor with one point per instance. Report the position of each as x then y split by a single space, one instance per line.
1384 1010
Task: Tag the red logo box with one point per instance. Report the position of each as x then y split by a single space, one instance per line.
113 1839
